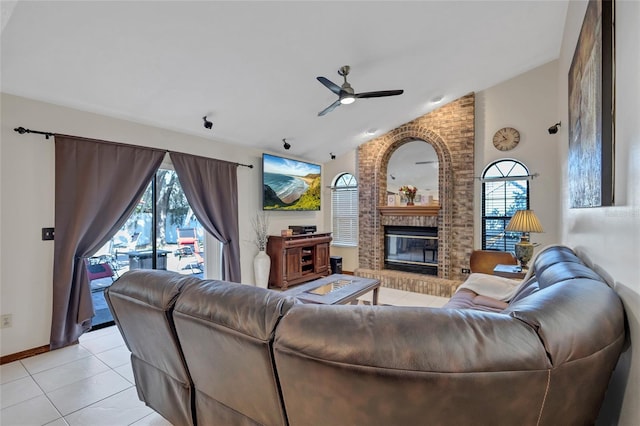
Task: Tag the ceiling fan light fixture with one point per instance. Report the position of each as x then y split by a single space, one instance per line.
346 94
347 99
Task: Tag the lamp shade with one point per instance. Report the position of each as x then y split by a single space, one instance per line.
524 221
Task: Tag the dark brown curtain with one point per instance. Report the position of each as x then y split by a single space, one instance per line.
97 187
211 187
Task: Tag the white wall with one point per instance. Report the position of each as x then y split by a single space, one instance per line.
527 103
609 237
27 204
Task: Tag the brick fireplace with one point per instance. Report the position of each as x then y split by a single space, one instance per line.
450 130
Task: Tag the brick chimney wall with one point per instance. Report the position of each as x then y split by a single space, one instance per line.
450 130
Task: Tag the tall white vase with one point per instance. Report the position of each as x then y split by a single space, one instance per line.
261 268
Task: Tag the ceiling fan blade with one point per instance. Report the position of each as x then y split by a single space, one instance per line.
329 108
330 85
379 94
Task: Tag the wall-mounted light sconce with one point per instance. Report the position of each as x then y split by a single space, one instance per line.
207 124
286 144
332 155
554 129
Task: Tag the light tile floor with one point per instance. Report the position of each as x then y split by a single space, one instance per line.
91 384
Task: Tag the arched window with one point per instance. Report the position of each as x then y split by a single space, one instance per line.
505 189
344 210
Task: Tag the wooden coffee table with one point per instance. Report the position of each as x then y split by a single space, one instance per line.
336 289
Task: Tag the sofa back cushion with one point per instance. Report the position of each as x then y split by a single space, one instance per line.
142 303
551 255
391 365
226 331
563 271
552 265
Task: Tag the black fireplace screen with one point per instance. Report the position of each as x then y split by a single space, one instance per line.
411 249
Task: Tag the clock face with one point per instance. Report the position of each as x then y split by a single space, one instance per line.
506 139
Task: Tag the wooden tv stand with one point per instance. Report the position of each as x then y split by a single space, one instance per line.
297 259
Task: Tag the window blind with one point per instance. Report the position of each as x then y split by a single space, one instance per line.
344 212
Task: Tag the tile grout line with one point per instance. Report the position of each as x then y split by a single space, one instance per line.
46 394
41 390
100 400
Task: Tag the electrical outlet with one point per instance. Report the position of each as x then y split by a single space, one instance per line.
48 234
6 321
466 270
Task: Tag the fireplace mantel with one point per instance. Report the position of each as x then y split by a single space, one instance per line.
409 210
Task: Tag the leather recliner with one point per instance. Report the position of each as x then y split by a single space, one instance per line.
142 303
227 331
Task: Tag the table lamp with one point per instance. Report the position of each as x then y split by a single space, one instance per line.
524 221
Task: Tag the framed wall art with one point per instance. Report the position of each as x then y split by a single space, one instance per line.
591 109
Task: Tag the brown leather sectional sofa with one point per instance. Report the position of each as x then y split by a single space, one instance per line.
216 353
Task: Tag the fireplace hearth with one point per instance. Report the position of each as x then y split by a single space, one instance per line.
411 249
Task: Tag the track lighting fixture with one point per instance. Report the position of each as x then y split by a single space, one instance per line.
207 124
332 155
554 129
286 144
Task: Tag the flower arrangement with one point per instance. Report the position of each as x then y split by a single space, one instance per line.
409 191
261 227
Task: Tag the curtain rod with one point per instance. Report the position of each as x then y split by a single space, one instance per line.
496 179
47 135
22 131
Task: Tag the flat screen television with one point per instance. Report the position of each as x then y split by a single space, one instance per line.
290 185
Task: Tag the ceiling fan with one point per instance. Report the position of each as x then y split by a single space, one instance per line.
346 94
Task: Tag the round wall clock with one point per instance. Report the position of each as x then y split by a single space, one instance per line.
506 139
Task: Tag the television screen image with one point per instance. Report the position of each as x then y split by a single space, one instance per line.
290 184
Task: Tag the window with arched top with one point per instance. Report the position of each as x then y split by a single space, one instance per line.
505 189
344 210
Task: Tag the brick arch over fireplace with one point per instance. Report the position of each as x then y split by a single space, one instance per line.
450 130
397 139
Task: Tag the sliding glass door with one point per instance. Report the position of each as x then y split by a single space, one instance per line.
161 233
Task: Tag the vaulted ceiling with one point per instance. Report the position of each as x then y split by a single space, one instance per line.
251 67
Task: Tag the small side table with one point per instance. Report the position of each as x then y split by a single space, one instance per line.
509 271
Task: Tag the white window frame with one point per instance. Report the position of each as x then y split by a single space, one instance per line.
344 210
